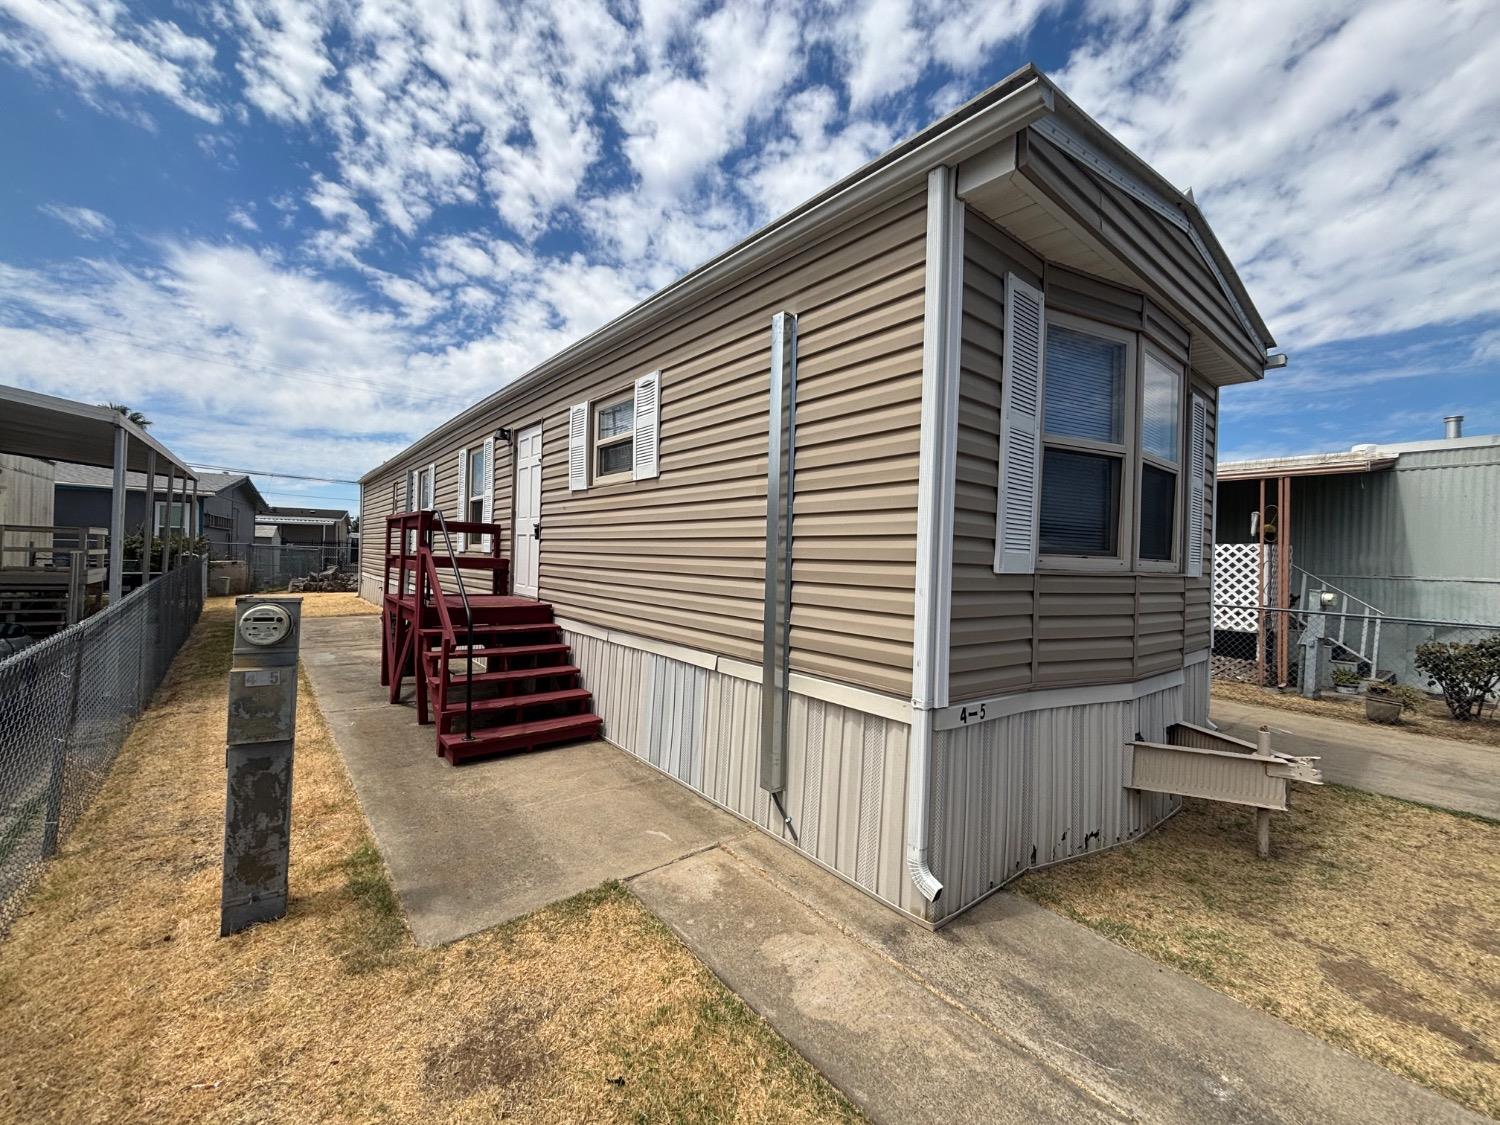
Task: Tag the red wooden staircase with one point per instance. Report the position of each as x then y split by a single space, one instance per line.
492 671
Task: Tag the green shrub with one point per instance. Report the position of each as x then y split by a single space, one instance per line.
1465 673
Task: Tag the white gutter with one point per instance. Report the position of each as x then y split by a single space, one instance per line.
995 114
932 604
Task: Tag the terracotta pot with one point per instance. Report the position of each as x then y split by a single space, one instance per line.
1379 710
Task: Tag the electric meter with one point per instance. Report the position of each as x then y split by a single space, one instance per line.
266 625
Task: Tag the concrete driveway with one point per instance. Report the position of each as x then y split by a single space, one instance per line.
473 846
1390 760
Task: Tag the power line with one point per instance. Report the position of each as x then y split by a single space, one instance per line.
265 473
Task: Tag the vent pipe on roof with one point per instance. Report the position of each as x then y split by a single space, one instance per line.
1453 426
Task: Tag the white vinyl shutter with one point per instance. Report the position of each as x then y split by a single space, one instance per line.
463 495
429 486
1197 482
411 490
487 490
645 462
1019 494
578 447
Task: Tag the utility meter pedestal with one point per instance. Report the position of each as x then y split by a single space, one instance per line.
262 727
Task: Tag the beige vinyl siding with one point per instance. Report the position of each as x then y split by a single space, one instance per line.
1016 632
681 558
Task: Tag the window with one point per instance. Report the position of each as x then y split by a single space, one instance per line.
474 505
1086 463
1161 458
614 437
179 513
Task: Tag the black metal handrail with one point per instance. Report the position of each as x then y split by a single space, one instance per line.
463 596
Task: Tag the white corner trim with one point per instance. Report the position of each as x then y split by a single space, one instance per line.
1001 706
812 687
937 454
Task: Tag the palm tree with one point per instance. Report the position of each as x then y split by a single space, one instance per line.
130 415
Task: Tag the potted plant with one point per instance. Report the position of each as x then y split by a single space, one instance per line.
1385 702
1382 704
1345 681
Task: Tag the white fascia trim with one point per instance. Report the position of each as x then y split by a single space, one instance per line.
1001 706
876 185
813 687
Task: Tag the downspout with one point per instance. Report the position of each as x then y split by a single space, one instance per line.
942 319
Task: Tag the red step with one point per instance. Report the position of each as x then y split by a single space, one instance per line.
497 630
511 650
512 702
518 736
515 675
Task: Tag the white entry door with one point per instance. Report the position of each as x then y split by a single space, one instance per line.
526 555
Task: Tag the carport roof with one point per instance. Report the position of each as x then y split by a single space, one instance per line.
57 429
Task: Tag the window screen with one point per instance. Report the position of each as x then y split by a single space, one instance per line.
1085 385
1080 499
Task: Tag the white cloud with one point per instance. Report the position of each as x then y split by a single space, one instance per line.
96 44
1343 150
84 221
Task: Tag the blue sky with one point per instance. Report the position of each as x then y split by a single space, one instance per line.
298 235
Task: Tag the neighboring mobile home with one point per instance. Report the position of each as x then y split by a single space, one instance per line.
1403 530
939 443
223 513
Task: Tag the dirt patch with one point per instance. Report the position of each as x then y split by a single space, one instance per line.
498 1052
120 1003
1372 925
1431 719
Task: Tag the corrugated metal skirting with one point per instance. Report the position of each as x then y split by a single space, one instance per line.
1039 787
846 770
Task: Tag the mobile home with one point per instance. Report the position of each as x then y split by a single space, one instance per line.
888 528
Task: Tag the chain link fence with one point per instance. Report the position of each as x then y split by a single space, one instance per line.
1362 647
66 707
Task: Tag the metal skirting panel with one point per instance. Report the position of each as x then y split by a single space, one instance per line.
1195 690
846 770
1039 787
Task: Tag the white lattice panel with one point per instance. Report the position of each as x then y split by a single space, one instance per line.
1242 577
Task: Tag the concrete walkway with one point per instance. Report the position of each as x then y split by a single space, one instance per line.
1378 759
1011 1014
476 845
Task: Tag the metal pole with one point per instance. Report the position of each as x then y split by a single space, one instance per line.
117 517
149 521
1261 591
1283 577
166 521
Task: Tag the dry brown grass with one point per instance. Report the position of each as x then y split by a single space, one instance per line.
1433 719
1375 924
119 1003
321 605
